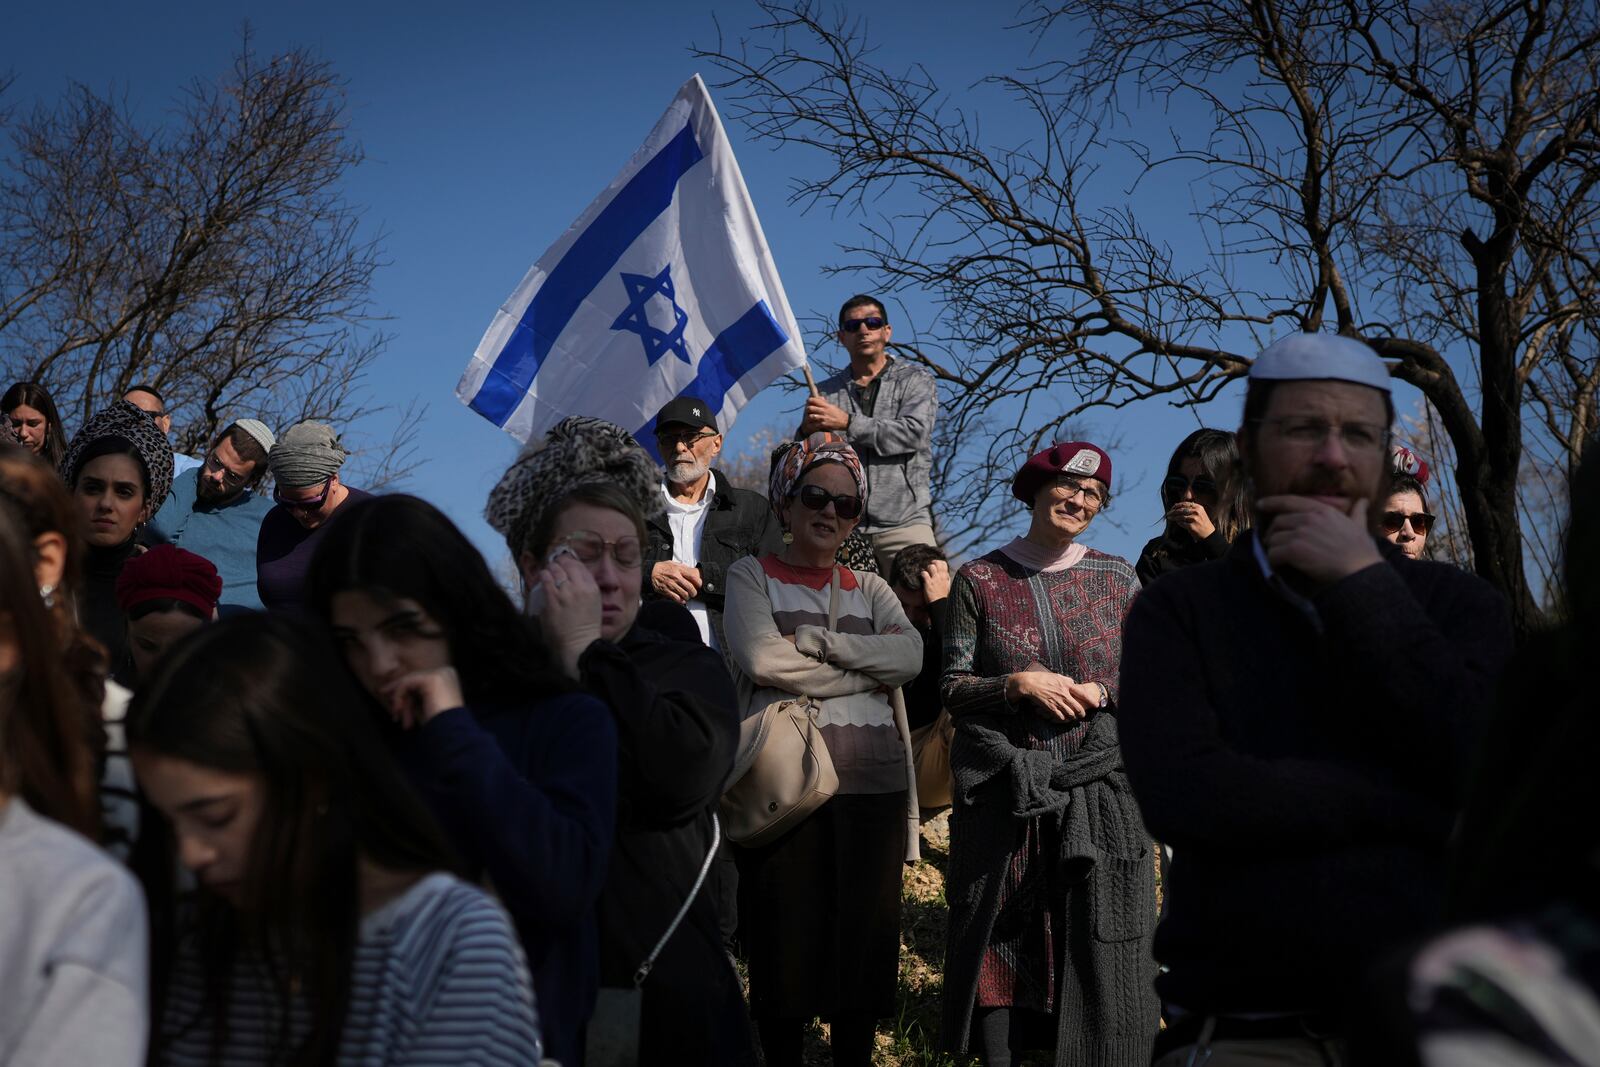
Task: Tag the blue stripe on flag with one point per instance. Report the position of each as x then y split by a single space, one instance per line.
585 266
737 351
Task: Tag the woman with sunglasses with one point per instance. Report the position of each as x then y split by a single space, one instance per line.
819 907
1405 520
573 509
1206 508
305 464
1051 880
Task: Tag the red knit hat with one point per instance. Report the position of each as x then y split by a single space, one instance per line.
167 572
1070 457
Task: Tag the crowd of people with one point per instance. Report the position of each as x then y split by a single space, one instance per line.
292 779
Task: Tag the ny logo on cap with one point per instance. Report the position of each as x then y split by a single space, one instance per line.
697 413
1086 461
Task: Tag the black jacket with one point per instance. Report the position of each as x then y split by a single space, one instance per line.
1171 552
740 524
1307 781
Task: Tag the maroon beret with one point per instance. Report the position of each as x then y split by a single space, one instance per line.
169 573
1078 458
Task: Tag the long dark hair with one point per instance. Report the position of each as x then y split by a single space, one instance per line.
398 546
38 397
258 695
1218 453
45 754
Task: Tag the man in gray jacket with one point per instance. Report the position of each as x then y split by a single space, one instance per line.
886 409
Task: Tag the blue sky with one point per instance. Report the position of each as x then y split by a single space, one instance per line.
489 127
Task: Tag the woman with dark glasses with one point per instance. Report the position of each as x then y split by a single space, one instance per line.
1405 520
819 907
1206 508
305 466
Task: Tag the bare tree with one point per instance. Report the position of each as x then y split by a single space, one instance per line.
211 256
1419 176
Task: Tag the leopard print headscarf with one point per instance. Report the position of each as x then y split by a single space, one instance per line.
125 422
578 451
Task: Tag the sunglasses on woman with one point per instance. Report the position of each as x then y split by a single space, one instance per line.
310 505
816 498
1175 484
1421 522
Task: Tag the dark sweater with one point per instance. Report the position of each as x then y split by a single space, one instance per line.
677 727
283 555
923 699
1306 781
527 795
1175 550
98 610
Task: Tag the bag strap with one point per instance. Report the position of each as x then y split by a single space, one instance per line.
705 868
833 599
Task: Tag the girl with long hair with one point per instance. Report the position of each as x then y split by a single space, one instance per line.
518 764
33 418
327 926
72 925
1205 501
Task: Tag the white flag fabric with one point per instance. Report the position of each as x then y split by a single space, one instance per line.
664 287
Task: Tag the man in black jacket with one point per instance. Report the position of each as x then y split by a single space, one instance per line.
1298 721
708 523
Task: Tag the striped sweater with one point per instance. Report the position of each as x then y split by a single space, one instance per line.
438 978
849 670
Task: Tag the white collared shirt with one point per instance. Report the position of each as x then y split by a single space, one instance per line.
688 525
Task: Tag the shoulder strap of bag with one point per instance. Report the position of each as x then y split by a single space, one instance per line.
833 599
705 868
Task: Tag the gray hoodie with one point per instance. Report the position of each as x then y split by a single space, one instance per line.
895 442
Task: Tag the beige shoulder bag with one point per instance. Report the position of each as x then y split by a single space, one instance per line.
791 774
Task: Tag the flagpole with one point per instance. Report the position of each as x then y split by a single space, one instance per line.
811 383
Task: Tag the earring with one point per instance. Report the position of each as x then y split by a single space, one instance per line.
788 537
47 593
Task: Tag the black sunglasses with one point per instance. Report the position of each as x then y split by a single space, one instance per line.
303 505
816 498
1421 522
1175 484
871 322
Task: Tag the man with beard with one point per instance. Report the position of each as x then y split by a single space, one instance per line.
1297 722
708 523
216 513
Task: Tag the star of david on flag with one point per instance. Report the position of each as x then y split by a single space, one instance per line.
664 287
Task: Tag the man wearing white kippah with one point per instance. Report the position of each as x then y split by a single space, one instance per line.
1297 722
216 512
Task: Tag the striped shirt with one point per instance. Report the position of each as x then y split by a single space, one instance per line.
872 649
438 978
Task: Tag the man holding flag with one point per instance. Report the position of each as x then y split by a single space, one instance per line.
664 287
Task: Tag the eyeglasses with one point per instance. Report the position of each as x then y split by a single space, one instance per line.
816 498
871 322
589 547
669 442
213 465
1421 522
1073 487
1175 484
1311 433
303 505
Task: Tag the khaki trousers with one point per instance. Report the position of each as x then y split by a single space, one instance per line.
886 544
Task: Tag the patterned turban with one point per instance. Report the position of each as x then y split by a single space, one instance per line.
134 427
309 454
792 461
578 451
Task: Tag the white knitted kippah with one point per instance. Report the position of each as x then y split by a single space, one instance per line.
1302 357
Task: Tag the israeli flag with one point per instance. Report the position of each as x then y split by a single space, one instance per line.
664 287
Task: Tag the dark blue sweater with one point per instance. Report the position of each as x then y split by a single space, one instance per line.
528 796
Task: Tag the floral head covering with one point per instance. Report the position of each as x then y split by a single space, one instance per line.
578 451
125 422
790 463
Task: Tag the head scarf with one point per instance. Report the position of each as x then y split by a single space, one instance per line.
1404 461
578 451
167 572
794 459
131 425
309 454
